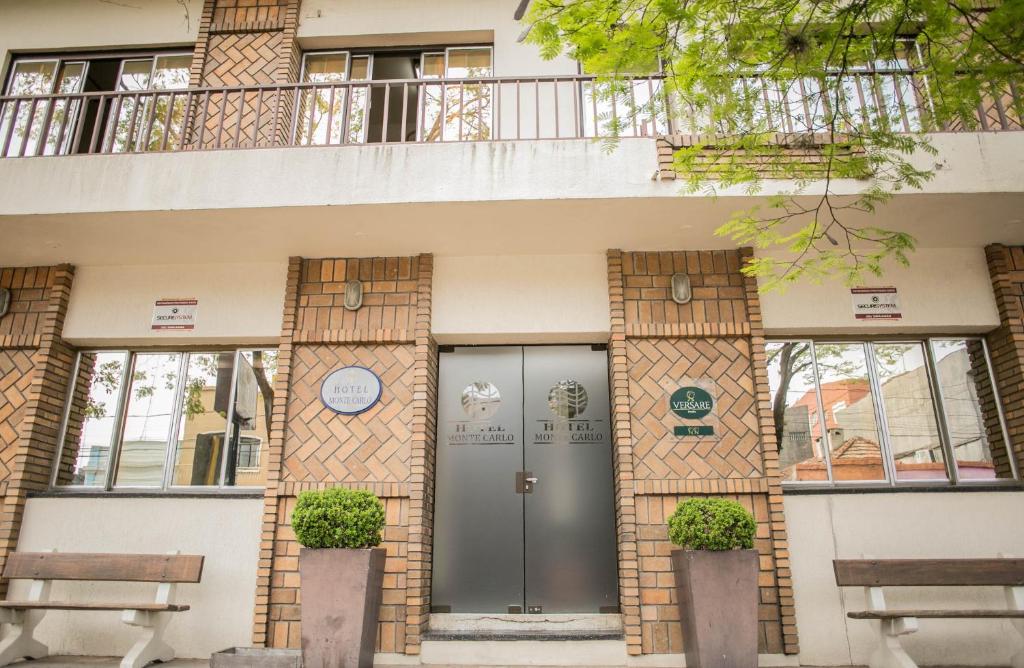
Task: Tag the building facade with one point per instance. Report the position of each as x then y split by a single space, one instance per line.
207 207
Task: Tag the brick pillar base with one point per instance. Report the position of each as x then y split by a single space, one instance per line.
656 347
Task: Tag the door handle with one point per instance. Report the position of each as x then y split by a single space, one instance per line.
525 480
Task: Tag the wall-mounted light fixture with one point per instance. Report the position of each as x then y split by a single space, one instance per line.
5 301
681 293
353 295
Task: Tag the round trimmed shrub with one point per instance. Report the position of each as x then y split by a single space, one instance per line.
338 517
712 524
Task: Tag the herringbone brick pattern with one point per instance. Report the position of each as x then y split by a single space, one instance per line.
372 446
388 449
658 606
15 377
656 367
1006 348
656 347
247 59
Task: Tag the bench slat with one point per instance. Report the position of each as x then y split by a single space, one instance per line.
928 572
104 567
937 614
67 605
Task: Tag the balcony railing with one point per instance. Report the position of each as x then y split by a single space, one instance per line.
442 110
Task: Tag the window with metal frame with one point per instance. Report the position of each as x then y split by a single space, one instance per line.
164 420
887 412
52 125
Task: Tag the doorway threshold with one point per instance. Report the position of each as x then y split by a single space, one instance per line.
497 626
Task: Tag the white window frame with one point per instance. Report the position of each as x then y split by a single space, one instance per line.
953 478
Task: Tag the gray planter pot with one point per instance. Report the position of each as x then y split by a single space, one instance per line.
341 594
718 600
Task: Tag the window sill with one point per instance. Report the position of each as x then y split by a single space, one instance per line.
245 493
798 490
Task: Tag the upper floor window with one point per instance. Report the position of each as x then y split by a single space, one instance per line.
162 420
919 411
69 122
402 103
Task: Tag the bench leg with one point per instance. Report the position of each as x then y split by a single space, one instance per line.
1017 660
19 643
890 652
151 646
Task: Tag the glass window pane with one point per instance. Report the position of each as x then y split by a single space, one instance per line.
322 114
969 404
65 112
200 440
467 107
92 421
357 113
795 409
909 411
148 418
135 74
254 398
430 123
326 67
27 78
469 63
849 417
171 72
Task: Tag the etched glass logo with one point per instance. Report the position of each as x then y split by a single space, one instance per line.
567 399
481 400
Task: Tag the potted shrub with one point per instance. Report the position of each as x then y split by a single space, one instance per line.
716 582
341 574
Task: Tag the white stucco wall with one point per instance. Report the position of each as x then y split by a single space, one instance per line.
225 531
321 20
823 527
945 290
63 25
521 299
239 303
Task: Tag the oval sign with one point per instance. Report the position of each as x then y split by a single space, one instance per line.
351 390
691 403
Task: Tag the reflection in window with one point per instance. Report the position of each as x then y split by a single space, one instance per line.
968 402
795 409
148 418
200 439
458 111
214 418
909 411
92 423
853 386
849 412
326 117
138 123
50 116
253 403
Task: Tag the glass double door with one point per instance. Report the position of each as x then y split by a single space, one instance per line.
524 517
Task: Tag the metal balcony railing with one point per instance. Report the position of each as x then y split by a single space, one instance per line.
444 110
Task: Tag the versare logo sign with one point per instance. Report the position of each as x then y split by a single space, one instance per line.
691 403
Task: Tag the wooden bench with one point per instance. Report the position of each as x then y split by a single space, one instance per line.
42 568
874 574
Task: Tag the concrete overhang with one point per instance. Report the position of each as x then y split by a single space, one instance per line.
558 196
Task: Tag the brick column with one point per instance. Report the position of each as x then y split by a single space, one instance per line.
625 502
1006 348
388 449
35 371
244 43
657 345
